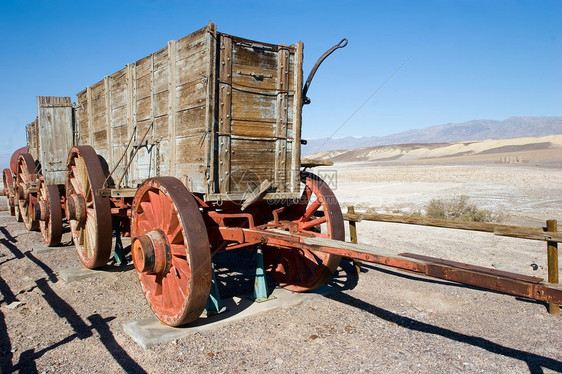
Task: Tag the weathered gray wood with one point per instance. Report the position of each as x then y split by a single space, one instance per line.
108 119
552 260
172 92
131 123
53 136
172 51
90 113
33 139
225 113
281 127
310 163
533 233
294 146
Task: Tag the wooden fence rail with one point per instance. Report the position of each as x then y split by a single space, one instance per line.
523 232
548 234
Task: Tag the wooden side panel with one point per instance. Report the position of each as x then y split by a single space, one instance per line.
82 117
118 101
55 136
193 99
295 116
33 139
153 115
251 163
224 114
220 113
257 110
281 131
99 135
151 109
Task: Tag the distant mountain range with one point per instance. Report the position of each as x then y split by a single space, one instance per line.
513 127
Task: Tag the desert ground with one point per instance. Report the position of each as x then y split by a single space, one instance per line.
380 321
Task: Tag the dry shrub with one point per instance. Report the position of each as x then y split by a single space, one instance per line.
459 208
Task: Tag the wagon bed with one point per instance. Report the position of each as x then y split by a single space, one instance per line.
220 113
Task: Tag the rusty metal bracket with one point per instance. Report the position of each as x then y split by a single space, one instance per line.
255 46
305 99
133 156
258 77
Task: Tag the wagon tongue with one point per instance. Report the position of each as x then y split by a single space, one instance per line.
491 279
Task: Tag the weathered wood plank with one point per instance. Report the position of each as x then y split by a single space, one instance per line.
295 147
250 106
108 119
533 233
225 114
172 57
282 119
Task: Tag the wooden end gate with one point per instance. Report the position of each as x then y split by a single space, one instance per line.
195 150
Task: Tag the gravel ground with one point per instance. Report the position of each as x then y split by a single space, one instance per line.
381 321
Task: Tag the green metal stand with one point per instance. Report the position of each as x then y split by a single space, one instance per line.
214 304
260 283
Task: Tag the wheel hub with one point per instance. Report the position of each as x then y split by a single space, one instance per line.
151 253
41 211
76 206
20 193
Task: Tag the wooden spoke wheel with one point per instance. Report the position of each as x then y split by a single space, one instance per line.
88 214
26 185
299 269
8 179
49 211
171 250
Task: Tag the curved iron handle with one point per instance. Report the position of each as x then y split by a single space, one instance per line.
341 44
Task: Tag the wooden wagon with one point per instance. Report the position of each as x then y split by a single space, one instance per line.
193 143
34 184
194 150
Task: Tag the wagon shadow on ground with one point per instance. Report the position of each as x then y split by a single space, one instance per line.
7 234
82 331
536 363
235 273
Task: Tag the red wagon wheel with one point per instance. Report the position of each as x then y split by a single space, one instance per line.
298 269
50 214
9 190
89 215
171 250
26 180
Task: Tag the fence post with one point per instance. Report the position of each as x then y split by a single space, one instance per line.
353 236
552 253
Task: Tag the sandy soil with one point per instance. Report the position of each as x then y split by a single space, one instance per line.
381 321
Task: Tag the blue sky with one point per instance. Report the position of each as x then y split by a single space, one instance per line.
469 59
